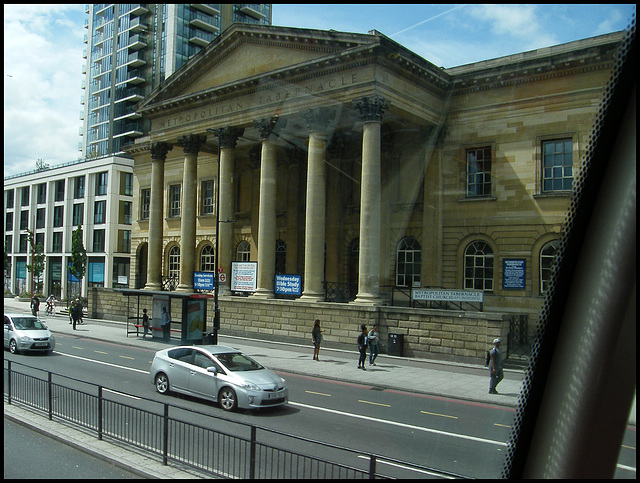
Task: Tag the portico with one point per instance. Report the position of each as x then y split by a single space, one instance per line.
299 111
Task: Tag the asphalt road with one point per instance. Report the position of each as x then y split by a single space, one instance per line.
460 437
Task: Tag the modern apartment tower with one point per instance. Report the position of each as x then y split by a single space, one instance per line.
131 49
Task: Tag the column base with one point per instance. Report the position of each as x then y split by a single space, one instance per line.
263 293
311 297
367 299
152 286
184 288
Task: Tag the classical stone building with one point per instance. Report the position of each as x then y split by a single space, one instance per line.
351 161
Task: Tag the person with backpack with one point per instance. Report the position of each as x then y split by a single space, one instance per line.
495 366
373 341
362 347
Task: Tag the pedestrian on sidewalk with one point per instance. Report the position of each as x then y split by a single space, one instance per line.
316 336
495 366
166 324
75 311
373 340
145 323
35 306
362 347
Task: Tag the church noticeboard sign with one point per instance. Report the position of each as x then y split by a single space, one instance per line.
514 273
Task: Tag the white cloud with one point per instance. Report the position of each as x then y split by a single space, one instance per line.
42 64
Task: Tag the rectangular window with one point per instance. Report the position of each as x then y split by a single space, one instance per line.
78 188
557 165
8 243
124 241
24 242
24 200
8 226
125 212
40 239
126 184
40 217
42 193
24 220
174 201
145 201
78 214
57 242
479 172
98 240
207 198
59 190
9 198
101 183
98 214
57 216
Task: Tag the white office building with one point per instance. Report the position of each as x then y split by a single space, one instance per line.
96 194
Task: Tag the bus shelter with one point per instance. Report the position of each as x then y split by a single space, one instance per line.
188 313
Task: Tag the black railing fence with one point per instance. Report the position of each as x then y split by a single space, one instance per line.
233 449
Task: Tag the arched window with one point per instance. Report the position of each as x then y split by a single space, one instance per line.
174 262
207 259
547 259
408 263
281 256
243 252
478 266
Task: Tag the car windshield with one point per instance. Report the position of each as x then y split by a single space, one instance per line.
28 323
237 362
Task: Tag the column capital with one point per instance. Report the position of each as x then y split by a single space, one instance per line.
266 126
159 150
228 136
191 143
371 108
318 119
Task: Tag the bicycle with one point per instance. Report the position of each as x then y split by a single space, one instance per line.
50 309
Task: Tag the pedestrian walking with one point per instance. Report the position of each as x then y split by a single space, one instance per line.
145 323
373 340
362 347
495 366
316 336
79 308
166 324
75 311
35 306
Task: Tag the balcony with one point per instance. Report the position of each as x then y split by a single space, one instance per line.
251 9
135 60
205 22
200 38
206 8
137 25
138 10
137 42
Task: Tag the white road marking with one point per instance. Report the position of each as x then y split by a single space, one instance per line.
103 363
402 425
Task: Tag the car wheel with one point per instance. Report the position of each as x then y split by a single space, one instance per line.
227 398
13 346
162 383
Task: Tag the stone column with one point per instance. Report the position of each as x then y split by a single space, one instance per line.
315 217
191 145
228 139
156 204
371 110
267 215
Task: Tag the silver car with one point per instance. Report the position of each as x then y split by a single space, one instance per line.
218 373
27 333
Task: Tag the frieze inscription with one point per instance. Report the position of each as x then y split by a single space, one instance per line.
261 99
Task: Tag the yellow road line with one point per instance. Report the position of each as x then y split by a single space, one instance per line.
318 393
441 415
502 425
373 403
130 358
100 352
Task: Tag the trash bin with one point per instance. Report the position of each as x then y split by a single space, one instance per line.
207 338
396 344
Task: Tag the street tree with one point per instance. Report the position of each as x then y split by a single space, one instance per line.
78 261
37 260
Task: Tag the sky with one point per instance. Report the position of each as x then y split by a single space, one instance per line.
43 46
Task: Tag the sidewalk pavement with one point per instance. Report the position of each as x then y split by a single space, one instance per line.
466 382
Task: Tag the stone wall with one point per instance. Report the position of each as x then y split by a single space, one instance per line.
428 333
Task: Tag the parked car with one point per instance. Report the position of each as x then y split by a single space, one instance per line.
220 374
27 333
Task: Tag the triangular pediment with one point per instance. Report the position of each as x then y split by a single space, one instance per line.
244 54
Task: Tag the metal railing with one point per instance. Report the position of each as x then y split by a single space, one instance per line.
232 450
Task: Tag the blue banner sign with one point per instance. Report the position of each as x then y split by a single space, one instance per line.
513 273
203 280
288 285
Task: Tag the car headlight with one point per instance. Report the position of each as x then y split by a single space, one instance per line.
25 338
250 385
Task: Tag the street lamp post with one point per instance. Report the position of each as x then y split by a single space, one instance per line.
216 280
